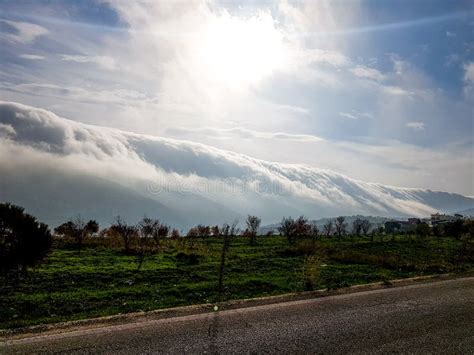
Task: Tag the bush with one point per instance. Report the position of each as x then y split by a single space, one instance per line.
78 230
311 272
293 229
23 240
187 259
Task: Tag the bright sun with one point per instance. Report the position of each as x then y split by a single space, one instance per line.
240 52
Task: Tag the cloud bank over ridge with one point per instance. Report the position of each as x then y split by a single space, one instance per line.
179 180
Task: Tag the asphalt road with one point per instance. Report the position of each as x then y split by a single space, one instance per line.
422 318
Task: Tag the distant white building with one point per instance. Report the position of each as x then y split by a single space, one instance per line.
438 218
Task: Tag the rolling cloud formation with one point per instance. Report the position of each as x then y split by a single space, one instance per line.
57 168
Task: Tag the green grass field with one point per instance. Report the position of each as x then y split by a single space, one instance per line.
103 281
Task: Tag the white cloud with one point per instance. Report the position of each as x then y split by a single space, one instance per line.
355 115
311 56
452 59
25 32
368 73
319 18
243 133
174 167
397 91
103 61
183 86
469 72
6 130
400 66
32 56
469 80
165 81
450 34
348 115
95 95
211 59
296 109
415 125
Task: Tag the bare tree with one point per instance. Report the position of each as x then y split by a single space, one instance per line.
303 228
147 230
192 232
175 234
160 232
340 226
199 231
366 225
373 234
292 229
215 231
146 227
287 228
124 231
203 231
78 230
314 230
253 223
227 232
328 228
357 226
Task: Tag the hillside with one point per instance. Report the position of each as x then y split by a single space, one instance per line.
62 168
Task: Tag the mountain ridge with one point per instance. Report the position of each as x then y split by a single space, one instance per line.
185 182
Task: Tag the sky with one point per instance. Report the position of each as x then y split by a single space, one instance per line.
380 91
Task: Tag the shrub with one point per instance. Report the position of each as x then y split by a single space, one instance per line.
307 247
23 240
187 259
311 272
292 229
423 230
253 223
124 231
78 230
287 228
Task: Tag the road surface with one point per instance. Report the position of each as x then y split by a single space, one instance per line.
433 317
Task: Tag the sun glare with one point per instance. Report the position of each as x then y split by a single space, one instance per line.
240 52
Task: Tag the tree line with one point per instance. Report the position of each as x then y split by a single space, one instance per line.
24 241
148 232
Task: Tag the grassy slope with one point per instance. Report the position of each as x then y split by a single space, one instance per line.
103 281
